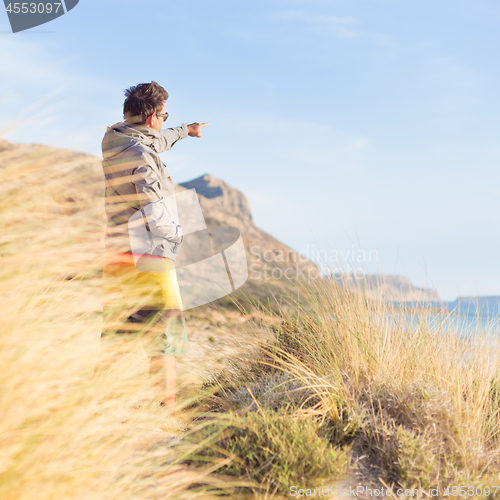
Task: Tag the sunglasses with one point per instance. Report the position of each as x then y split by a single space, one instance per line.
163 115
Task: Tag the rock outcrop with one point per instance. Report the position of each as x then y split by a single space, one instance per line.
389 288
268 258
219 197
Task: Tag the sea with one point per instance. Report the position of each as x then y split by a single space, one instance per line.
467 316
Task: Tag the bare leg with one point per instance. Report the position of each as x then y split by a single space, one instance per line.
164 371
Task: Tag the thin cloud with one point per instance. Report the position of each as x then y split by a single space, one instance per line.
325 146
339 26
449 73
39 86
37 111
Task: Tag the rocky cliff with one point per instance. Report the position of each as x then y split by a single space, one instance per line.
268 258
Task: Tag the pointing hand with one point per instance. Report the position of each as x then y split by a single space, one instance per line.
194 129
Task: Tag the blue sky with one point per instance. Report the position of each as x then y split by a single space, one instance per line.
371 124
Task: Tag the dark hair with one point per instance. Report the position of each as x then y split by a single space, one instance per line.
144 100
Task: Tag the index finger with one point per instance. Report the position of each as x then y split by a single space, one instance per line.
204 124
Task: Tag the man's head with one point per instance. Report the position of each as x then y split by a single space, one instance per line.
143 103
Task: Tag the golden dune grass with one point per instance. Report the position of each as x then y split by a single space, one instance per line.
63 433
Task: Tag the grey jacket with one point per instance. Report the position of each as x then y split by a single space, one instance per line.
137 180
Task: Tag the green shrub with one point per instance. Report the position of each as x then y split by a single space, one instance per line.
273 450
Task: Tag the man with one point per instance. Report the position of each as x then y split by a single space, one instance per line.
140 291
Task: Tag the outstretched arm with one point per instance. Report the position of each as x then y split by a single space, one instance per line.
170 136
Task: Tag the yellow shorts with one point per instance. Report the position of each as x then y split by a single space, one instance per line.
144 305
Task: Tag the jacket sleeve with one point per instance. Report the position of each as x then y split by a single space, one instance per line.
161 223
169 137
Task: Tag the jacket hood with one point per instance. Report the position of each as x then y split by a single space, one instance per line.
121 136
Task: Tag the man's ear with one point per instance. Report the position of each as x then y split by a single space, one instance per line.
149 120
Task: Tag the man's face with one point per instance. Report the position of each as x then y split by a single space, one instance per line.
158 121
